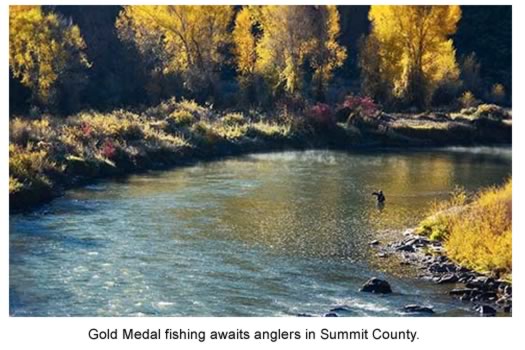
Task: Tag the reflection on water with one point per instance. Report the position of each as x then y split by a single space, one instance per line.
266 234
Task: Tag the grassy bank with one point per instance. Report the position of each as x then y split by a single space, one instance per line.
477 232
48 155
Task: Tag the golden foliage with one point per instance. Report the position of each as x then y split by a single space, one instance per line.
28 166
183 39
477 235
468 100
181 118
245 45
413 48
41 48
481 238
497 93
327 55
290 35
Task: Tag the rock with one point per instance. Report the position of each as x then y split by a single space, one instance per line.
463 291
418 309
382 255
504 301
437 268
486 310
331 314
508 290
406 248
481 282
304 315
408 232
450 267
376 285
487 296
340 309
448 278
374 242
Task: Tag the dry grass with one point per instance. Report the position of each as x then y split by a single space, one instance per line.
477 235
43 151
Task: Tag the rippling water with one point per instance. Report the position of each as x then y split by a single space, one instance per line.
267 234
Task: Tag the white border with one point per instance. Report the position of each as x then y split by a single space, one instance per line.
435 333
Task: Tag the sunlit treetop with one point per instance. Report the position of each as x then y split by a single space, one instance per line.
414 44
245 42
42 47
289 37
182 39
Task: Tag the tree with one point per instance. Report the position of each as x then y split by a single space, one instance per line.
414 49
185 40
44 49
245 43
118 76
290 38
327 54
245 51
487 31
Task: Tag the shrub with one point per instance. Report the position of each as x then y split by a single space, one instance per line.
234 119
30 166
19 131
364 106
108 150
181 118
476 234
269 130
198 111
231 132
23 131
497 93
117 124
468 100
436 224
481 238
205 131
14 185
321 114
491 112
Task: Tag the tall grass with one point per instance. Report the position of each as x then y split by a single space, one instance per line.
477 233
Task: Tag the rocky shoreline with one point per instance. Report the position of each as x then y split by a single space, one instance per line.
488 295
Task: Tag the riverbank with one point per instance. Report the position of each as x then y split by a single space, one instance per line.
466 244
49 155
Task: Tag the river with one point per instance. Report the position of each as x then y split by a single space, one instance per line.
271 234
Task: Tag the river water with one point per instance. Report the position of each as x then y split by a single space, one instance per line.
258 235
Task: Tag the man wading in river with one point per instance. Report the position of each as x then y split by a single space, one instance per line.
380 196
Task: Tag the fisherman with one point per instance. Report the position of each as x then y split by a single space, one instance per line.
380 196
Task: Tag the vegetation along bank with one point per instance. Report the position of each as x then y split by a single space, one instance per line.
47 155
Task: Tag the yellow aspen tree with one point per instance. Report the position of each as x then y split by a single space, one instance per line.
181 39
327 54
290 37
42 47
414 48
245 43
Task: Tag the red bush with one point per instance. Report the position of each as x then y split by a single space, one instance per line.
365 105
322 114
108 150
